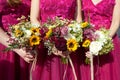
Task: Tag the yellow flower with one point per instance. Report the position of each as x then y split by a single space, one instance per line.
72 45
15 27
86 43
18 33
34 40
84 24
48 34
35 30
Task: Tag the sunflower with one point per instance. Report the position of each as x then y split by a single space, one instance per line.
48 34
34 40
35 30
84 24
72 45
18 33
86 43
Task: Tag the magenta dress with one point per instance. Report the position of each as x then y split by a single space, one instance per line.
51 67
106 67
12 67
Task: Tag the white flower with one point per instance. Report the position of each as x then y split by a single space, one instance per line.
76 27
95 47
28 33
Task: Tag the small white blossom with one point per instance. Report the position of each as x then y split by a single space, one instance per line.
28 33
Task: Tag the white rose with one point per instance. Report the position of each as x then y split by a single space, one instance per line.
95 47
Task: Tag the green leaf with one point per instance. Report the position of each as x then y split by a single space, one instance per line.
87 61
64 60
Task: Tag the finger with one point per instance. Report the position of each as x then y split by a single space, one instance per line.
88 55
28 60
29 56
55 51
60 53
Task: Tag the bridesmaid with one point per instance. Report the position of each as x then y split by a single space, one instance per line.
12 67
50 67
107 14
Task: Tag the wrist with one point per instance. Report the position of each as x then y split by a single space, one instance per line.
19 52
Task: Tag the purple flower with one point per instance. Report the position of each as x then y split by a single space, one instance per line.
64 31
89 33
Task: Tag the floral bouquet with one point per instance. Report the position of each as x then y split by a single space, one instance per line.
102 44
64 34
24 35
98 42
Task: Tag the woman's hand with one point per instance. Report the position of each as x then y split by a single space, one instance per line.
57 52
28 57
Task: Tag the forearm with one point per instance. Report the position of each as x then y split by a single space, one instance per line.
78 11
115 19
4 38
34 13
113 29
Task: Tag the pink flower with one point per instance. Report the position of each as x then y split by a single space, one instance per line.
64 31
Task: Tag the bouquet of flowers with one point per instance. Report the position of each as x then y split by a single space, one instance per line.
64 34
98 42
24 35
102 44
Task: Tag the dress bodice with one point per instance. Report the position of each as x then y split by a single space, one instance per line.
9 14
61 8
99 14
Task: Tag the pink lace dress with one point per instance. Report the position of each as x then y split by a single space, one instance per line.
106 67
50 67
12 67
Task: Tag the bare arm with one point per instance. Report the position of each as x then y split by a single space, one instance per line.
78 12
3 40
34 13
116 19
